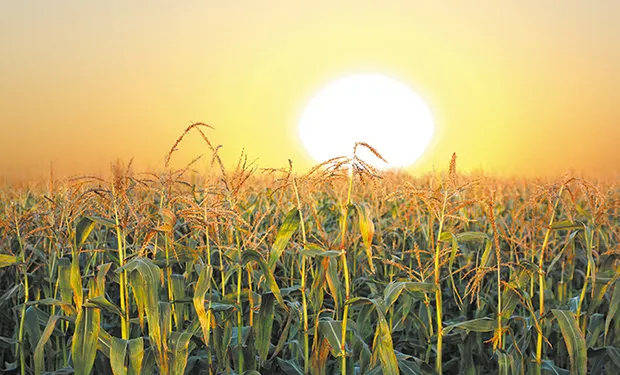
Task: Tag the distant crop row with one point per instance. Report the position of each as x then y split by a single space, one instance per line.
342 270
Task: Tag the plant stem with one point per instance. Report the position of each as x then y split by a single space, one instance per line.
304 300
438 296
541 276
345 269
123 275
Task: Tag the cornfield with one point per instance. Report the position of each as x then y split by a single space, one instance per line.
340 270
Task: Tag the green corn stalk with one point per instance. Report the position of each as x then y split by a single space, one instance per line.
541 277
345 270
304 301
124 299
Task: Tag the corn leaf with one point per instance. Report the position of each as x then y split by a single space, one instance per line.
179 347
45 336
103 303
474 325
264 325
82 231
251 255
136 355
146 279
118 353
367 229
178 293
202 285
331 330
574 339
613 308
7 260
290 367
383 347
84 344
289 226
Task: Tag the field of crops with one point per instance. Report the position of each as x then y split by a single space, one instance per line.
340 270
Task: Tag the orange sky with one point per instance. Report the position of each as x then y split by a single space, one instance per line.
524 87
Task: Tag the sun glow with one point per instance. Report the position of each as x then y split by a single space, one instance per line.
371 108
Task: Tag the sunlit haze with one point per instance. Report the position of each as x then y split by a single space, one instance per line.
371 108
514 88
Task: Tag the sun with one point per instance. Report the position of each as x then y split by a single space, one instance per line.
371 108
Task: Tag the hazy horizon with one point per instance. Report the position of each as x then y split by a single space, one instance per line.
515 89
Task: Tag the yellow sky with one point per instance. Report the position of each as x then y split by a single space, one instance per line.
524 87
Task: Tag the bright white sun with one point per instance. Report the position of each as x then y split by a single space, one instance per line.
370 108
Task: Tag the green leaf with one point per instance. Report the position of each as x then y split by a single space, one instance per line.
393 290
506 362
453 254
415 367
178 293
574 339
290 367
550 367
202 285
33 325
283 336
251 255
146 279
486 255
103 303
118 352
367 229
64 280
104 342
136 354
289 226
264 325
179 347
614 354
331 330
82 231
321 253
84 344
474 325
7 260
383 347
471 236
333 279
566 225
45 336
76 282
613 308
103 221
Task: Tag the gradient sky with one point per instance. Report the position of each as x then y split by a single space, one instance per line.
525 87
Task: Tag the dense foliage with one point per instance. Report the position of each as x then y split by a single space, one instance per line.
256 271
